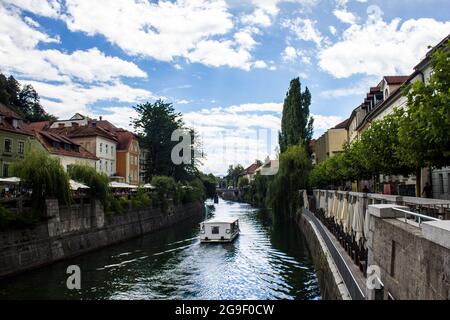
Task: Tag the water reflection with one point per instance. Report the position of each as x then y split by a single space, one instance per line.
268 260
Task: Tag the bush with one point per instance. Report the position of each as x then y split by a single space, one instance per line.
96 181
6 217
292 177
165 187
141 199
45 176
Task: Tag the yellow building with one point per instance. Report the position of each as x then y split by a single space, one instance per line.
331 142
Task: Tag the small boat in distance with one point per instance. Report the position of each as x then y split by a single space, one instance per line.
219 230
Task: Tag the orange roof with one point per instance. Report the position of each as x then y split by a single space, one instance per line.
124 138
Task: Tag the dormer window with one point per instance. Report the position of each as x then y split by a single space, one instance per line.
15 123
2 119
386 93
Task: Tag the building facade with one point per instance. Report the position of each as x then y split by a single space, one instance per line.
16 139
65 149
128 154
96 140
331 142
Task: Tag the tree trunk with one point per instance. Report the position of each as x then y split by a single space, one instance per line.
418 180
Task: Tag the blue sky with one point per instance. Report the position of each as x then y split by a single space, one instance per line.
226 65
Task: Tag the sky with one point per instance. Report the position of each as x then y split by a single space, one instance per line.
225 65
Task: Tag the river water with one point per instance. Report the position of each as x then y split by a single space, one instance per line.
268 260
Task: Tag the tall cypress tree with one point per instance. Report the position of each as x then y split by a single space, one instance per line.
296 123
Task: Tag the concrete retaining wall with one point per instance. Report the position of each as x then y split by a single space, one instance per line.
412 267
331 284
71 231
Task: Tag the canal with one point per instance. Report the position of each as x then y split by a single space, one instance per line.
267 261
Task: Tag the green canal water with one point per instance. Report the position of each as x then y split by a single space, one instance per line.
267 261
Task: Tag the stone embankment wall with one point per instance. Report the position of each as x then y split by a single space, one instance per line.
74 230
412 266
330 281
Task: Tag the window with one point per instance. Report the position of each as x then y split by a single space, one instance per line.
106 146
215 230
111 166
441 183
112 150
8 145
100 165
448 183
15 123
106 165
6 170
101 147
21 147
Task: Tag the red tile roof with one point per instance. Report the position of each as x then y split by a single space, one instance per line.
342 125
48 139
6 125
124 138
84 131
253 167
39 126
392 80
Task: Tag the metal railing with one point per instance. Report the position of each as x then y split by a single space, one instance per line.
351 283
418 217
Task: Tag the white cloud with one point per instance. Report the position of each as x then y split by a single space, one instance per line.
220 53
333 30
200 31
290 54
242 133
360 88
381 48
19 54
304 29
45 8
345 16
322 122
267 10
63 100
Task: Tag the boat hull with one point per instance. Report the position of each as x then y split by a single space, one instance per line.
224 240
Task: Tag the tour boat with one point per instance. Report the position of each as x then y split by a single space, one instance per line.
219 230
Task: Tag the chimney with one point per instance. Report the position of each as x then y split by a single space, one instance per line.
101 118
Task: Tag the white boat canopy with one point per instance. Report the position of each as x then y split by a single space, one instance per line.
74 185
148 186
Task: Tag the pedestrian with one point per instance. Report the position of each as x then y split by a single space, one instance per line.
427 191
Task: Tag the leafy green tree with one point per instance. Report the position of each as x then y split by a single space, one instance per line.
243 182
45 176
296 123
425 124
166 187
233 175
156 122
24 100
292 176
97 182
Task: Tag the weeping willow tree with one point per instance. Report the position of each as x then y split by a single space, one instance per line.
44 176
97 182
292 176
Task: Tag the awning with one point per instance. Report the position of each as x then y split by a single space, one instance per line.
74 185
121 185
12 180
